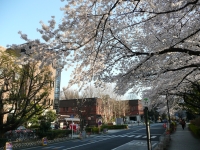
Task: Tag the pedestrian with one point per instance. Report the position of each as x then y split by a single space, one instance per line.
68 126
138 122
183 124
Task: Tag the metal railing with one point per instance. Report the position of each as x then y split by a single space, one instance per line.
20 136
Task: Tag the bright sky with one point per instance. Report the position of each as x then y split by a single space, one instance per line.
25 15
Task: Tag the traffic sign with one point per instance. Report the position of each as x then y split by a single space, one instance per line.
145 102
8 146
44 141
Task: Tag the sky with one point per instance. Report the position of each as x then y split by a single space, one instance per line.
25 15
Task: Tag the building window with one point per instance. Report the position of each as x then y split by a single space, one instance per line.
65 108
52 84
133 108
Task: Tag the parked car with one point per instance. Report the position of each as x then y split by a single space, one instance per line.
20 133
133 121
22 129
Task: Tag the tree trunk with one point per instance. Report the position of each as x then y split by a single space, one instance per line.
1 118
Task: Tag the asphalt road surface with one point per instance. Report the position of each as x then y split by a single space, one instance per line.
135 135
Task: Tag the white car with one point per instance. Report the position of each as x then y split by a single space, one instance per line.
132 121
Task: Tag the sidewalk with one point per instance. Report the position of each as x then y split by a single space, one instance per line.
183 140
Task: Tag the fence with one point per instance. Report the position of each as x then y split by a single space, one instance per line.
31 143
20 136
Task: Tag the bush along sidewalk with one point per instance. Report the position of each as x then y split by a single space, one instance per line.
52 137
172 128
165 139
194 127
110 127
104 128
52 134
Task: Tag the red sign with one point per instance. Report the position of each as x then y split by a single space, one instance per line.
73 127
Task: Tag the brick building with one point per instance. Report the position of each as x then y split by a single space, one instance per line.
135 111
49 100
88 109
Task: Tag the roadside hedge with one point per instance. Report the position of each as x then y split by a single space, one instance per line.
88 129
109 127
95 130
173 126
195 130
52 134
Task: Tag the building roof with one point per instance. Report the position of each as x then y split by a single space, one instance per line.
73 102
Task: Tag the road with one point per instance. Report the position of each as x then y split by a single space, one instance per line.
135 135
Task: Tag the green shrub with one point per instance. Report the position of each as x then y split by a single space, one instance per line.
95 130
108 127
88 129
52 134
45 126
173 126
34 127
195 129
196 122
114 127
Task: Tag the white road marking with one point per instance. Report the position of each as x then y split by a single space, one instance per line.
122 135
153 137
131 136
138 136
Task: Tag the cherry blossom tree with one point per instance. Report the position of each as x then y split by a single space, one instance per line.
134 43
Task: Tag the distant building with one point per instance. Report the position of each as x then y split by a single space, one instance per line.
90 110
135 112
53 71
87 108
53 95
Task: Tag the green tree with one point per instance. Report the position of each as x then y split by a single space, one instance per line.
164 116
191 98
34 121
188 99
153 113
24 91
50 116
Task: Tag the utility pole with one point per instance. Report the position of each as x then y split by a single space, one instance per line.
168 110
